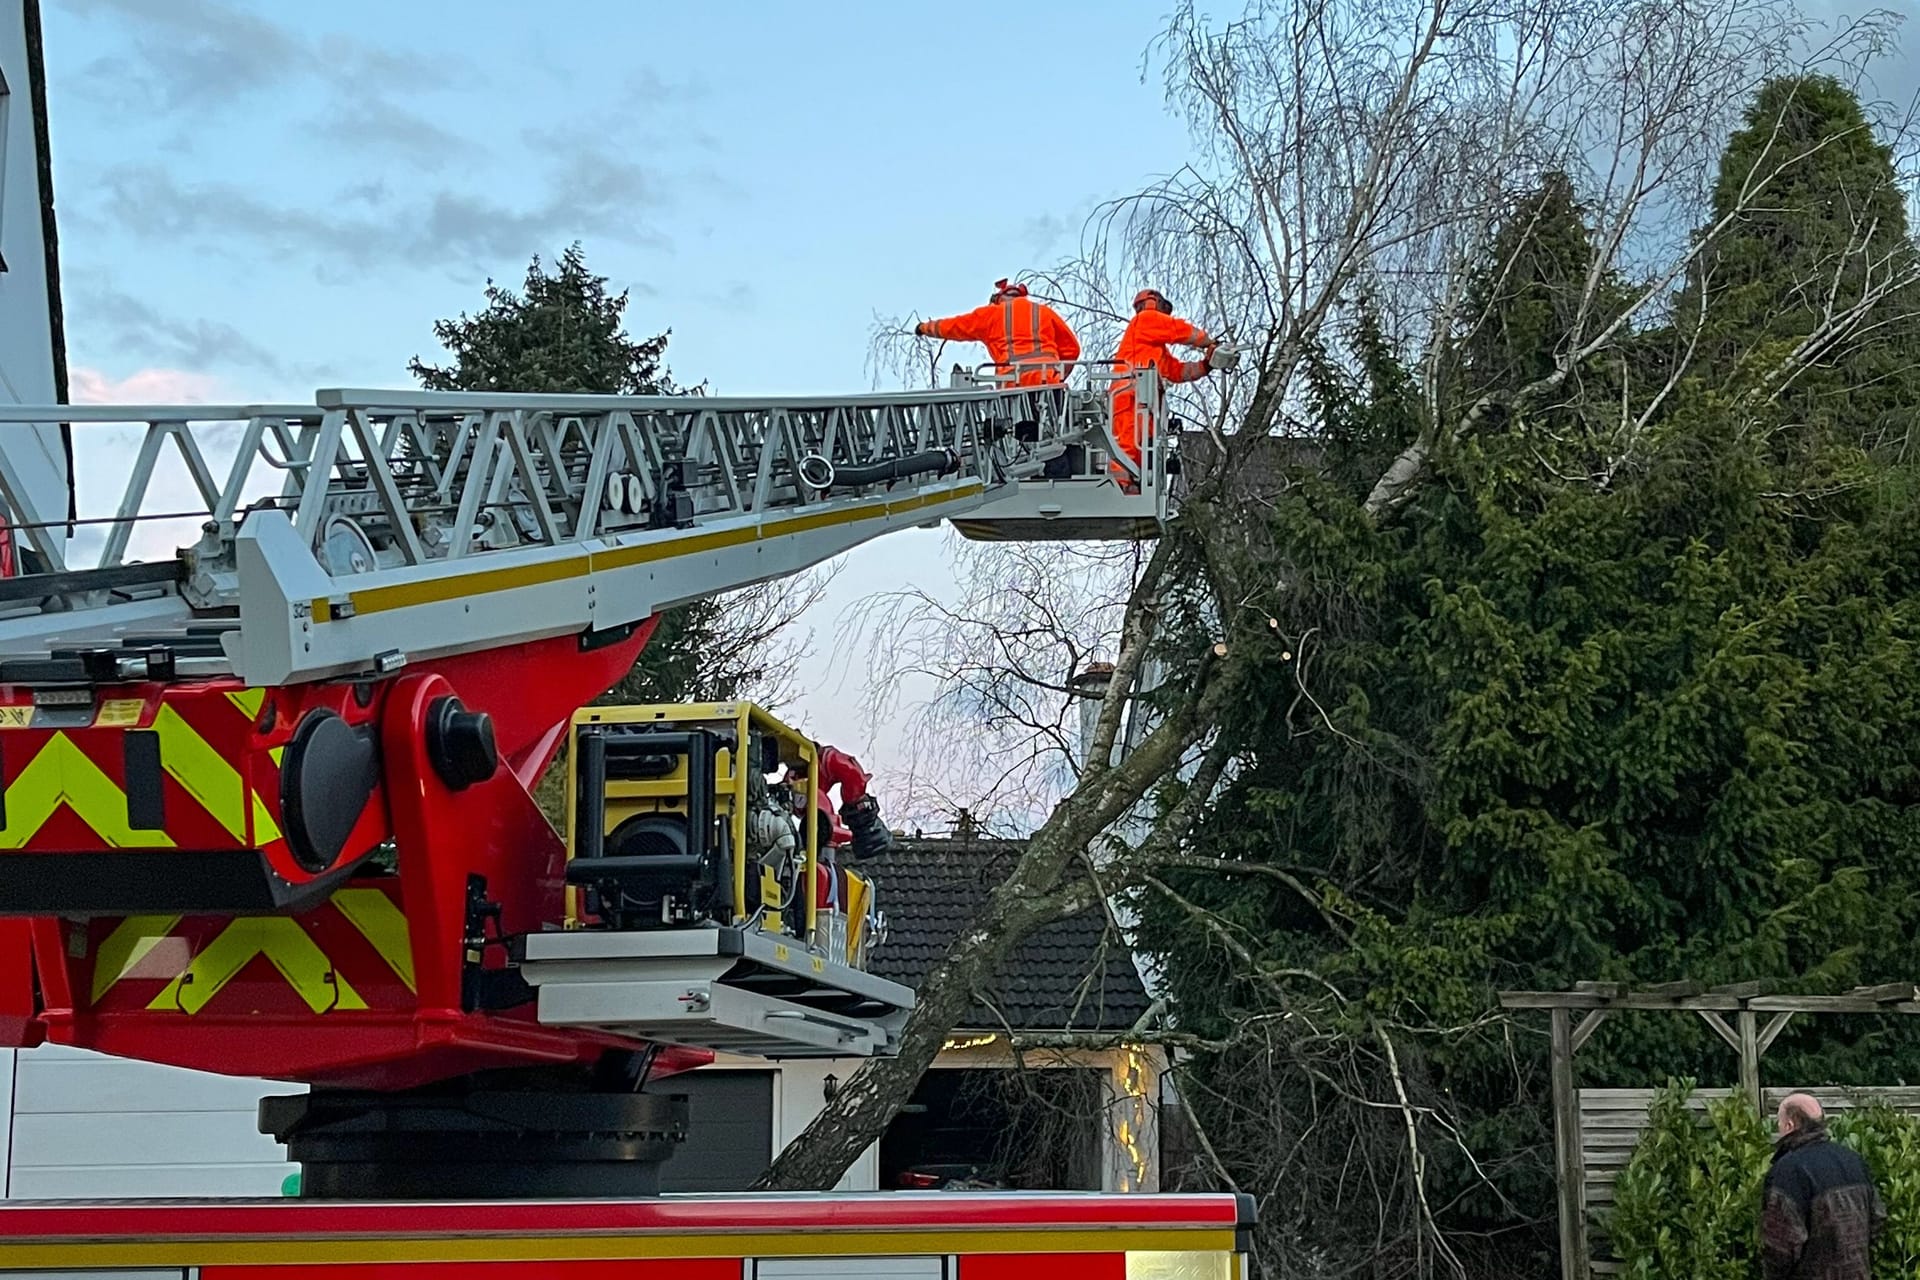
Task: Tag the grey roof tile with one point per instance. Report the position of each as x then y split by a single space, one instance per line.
1074 975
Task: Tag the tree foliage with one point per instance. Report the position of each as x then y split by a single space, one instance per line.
564 332
1688 1203
1511 631
1582 707
1808 242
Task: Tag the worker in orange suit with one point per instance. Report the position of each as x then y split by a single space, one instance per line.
1025 337
1153 329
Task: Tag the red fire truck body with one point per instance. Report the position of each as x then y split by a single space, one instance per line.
900 1236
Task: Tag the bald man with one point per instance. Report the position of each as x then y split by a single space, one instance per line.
1820 1211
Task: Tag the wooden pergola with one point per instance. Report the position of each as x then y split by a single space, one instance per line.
1743 1014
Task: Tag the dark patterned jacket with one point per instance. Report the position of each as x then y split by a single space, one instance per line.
1821 1211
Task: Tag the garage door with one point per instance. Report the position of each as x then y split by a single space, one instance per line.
729 1130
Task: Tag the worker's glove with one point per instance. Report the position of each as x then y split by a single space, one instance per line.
1222 358
920 330
871 839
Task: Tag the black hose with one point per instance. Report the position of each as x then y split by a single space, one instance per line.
932 462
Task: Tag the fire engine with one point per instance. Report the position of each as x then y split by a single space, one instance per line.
266 810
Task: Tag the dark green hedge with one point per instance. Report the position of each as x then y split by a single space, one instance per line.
1687 1206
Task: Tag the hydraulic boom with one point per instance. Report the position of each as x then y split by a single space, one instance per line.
267 801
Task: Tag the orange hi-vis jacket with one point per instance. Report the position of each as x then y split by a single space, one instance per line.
1144 345
1024 337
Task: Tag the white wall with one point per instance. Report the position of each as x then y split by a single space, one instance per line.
33 454
80 1124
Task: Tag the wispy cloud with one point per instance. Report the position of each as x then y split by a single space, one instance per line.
196 60
444 200
144 386
205 52
590 195
635 83
129 325
735 295
1042 233
373 120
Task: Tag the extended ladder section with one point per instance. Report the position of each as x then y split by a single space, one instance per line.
378 527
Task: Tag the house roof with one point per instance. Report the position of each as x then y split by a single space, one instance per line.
50 235
49 227
1073 975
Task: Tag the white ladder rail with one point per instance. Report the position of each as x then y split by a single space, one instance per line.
411 524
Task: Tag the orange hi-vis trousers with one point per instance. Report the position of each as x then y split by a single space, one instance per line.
1144 345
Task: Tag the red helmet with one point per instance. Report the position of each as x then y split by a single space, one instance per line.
1007 289
1152 295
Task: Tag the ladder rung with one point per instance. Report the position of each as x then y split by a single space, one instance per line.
35 586
179 644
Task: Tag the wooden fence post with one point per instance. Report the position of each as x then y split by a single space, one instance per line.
1569 1164
1748 1024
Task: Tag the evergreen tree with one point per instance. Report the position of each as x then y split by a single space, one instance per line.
1825 222
564 334
1522 304
1533 731
1533 302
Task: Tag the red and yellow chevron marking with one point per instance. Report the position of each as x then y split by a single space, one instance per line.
63 780
351 953
67 789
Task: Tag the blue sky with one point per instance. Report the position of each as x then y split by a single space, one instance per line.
258 199
274 195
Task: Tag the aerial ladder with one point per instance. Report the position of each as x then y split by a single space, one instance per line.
267 803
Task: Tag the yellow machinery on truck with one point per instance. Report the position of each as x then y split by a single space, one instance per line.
686 812
697 845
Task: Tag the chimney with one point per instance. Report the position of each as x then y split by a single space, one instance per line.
1090 686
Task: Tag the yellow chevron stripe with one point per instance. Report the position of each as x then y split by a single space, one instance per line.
248 700
123 949
281 940
61 774
265 829
381 923
193 763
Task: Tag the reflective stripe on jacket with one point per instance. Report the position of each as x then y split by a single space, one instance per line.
1025 338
